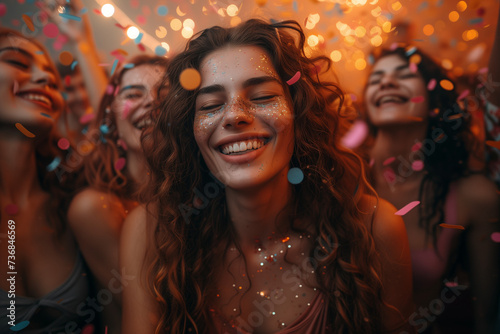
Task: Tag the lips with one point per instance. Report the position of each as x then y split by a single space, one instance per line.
391 98
38 97
242 147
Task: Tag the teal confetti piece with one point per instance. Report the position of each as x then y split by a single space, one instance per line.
46 115
411 51
129 65
104 129
439 3
138 38
160 50
70 17
295 175
115 63
295 6
476 20
423 6
19 326
73 64
162 10
39 52
83 11
53 165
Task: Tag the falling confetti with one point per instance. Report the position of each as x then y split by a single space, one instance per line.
432 84
53 165
86 118
3 9
356 135
407 208
120 163
190 79
458 227
495 236
63 143
11 209
162 10
295 175
113 68
65 58
19 326
388 161
51 30
24 131
294 79
417 165
160 50
70 17
417 99
88 329
446 84
416 147
28 22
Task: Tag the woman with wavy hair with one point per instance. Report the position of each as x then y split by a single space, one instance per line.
44 279
421 150
258 221
113 169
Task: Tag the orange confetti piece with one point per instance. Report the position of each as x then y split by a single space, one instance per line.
24 131
414 118
458 227
495 144
285 239
446 84
65 58
28 22
190 79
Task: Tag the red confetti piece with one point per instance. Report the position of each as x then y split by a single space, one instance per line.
416 147
24 131
63 143
432 84
28 22
97 11
458 227
120 163
88 329
67 80
86 118
141 47
417 99
294 79
11 209
451 284
356 135
388 161
407 208
495 236
417 165
495 144
51 30
3 9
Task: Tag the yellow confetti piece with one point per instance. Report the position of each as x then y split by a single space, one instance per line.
28 22
458 227
446 84
190 79
24 131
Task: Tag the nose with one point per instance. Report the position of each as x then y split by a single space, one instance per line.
149 98
237 114
388 80
41 77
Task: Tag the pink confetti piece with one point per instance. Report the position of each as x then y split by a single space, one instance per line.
495 236
356 135
413 67
63 143
451 284
294 79
407 208
86 118
417 165
464 94
121 143
483 70
11 209
110 89
389 175
51 30
393 46
126 109
88 329
416 147
417 99
3 9
372 162
388 161
432 84
120 163
354 98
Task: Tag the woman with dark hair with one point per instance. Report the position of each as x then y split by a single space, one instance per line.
421 147
114 168
44 280
258 221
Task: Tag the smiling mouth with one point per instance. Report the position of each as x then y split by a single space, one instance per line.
398 99
143 123
242 147
37 98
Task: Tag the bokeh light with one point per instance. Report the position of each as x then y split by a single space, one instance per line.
132 32
107 10
176 24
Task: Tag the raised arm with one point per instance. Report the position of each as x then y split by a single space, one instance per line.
391 241
140 311
494 67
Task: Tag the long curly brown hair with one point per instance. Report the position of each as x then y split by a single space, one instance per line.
182 272
99 165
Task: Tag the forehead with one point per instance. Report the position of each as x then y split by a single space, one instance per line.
388 63
38 54
236 62
142 74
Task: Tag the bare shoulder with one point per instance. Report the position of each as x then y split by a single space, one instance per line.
477 189
89 202
139 225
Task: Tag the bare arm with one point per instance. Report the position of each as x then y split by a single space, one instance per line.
478 195
140 310
494 66
83 47
391 241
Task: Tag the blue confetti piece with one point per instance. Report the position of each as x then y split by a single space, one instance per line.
46 115
338 9
70 17
423 6
30 2
434 39
85 129
113 68
476 20
53 165
138 38
104 129
129 65
160 50
295 6
103 139
64 95
39 52
20 325
73 64
162 10
439 3
295 175
371 59
411 51
83 11
334 39
453 42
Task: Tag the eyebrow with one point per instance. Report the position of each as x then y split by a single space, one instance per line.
397 69
11 48
247 83
131 87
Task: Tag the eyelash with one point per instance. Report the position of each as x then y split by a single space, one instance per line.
18 64
257 100
401 76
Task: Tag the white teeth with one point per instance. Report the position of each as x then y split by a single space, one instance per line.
242 146
37 97
391 98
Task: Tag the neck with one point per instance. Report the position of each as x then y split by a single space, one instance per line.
398 144
136 166
255 214
18 173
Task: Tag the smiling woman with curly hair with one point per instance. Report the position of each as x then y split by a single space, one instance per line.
257 219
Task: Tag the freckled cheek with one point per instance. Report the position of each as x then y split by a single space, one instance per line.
278 115
203 126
